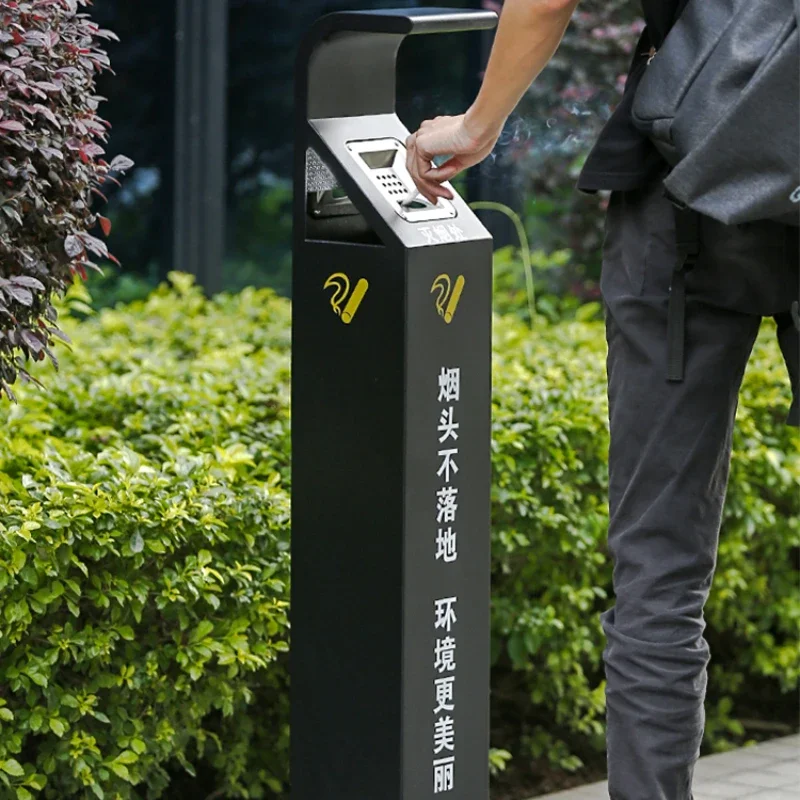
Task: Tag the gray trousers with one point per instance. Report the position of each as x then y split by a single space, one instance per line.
669 461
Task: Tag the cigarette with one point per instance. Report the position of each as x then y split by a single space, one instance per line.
410 197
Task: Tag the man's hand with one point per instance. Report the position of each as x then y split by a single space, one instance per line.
527 36
450 136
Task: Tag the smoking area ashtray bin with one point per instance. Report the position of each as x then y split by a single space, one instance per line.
391 415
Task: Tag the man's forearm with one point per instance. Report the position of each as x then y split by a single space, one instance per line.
527 37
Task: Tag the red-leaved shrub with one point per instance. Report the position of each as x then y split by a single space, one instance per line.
51 164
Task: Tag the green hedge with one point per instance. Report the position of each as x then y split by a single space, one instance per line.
144 551
144 546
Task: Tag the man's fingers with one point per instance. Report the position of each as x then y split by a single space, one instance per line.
446 171
428 122
434 176
422 176
409 152
411 162
426 188
430 190
434 190
445 138
420 167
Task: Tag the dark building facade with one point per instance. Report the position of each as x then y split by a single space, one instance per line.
201 100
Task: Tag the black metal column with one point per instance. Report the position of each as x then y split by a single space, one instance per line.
391 435
200 140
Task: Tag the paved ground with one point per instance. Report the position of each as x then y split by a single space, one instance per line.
769 771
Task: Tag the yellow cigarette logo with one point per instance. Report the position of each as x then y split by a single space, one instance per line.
341 293
448 295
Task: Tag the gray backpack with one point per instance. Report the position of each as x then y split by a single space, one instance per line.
720 101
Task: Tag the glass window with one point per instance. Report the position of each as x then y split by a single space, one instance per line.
264 36
140 109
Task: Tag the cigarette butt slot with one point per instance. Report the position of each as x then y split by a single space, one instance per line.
384 163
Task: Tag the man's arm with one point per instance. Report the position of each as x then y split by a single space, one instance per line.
527 37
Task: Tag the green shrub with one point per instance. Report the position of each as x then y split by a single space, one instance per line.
144 549
549 516
144 553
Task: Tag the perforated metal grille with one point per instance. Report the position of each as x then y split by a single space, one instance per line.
318 177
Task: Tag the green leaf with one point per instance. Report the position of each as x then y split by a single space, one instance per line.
120 770
12 767
126 632
37 678
127 757
137 543
18 559
138 746
201 631
23 793
517 650
15 611
57 726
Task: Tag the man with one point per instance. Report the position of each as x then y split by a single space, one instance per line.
670 441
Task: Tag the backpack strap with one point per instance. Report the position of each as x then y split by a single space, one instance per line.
788 329
687 229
